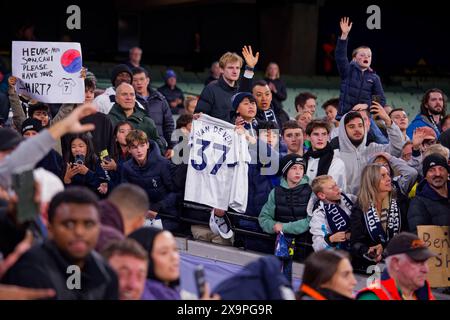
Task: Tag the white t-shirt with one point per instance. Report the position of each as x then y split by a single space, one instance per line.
66 84
218 165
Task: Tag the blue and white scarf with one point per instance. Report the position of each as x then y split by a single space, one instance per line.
337 218
373 223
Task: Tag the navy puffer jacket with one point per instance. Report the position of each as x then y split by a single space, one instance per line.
357 86
155 178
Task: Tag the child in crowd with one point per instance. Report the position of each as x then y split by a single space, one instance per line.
359 83
330 222
285 211
152 172
82 167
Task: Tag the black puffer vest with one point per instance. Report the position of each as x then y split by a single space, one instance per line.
291 203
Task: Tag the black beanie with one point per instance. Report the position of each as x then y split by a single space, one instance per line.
31 124
288 161
118 69
433 160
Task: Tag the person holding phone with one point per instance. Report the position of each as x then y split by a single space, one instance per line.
163 276
74 228
376 218
14 154
83 167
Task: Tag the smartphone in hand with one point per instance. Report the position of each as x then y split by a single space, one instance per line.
200 280
376 98
23 186
104 155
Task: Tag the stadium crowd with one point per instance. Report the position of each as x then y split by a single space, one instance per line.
349 191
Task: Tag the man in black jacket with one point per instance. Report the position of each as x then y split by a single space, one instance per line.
156 106
431 205
215 99
68 263
266 110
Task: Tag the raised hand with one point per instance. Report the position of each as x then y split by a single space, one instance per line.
418 137
83 73
346 26
12 81
250 59
377 110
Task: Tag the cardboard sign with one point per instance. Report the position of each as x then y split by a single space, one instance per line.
437 239
49 72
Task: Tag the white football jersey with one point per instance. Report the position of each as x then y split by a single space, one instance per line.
218 165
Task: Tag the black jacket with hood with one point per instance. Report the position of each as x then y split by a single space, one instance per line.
215 99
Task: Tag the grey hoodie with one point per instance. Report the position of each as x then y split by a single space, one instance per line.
356 158
25 157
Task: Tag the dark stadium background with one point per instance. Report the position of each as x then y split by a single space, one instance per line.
290 32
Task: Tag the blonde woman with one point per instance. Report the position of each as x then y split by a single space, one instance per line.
376 218
276 85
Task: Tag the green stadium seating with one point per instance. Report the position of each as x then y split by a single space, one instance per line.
404 92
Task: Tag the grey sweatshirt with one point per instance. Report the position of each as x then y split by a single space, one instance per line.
25 156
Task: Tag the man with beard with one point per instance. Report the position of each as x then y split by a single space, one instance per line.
352 144
431 205
432 110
